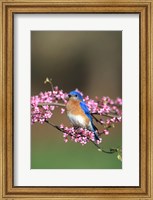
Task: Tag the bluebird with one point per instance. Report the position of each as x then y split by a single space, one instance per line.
79 114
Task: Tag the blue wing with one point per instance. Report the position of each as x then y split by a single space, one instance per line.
86 110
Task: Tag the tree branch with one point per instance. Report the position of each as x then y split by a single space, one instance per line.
51 104
105 115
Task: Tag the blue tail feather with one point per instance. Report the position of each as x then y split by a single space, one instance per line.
95 133
96 136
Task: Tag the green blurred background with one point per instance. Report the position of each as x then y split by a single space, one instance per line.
90 61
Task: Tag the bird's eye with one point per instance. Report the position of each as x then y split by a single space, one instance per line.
76 95
69 95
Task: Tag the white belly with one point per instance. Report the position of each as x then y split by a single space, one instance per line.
78 120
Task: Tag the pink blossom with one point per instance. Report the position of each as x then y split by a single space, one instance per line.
65 140
79 135
106 132
99 141
62 110
61 126
118 101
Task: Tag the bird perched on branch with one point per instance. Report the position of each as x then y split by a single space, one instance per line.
79 114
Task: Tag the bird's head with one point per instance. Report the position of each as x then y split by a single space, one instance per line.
75 95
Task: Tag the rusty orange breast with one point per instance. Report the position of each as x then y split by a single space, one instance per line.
73 107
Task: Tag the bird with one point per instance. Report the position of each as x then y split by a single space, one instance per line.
79 114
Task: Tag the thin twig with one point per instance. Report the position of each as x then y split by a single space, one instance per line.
110 152
51 104
95 118
55 126
99 149
105 115
50 82
114 104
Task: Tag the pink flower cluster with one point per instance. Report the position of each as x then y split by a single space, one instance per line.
104 110
79 135
43 105
104 106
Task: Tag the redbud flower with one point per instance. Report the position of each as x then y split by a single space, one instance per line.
106 132
62 110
